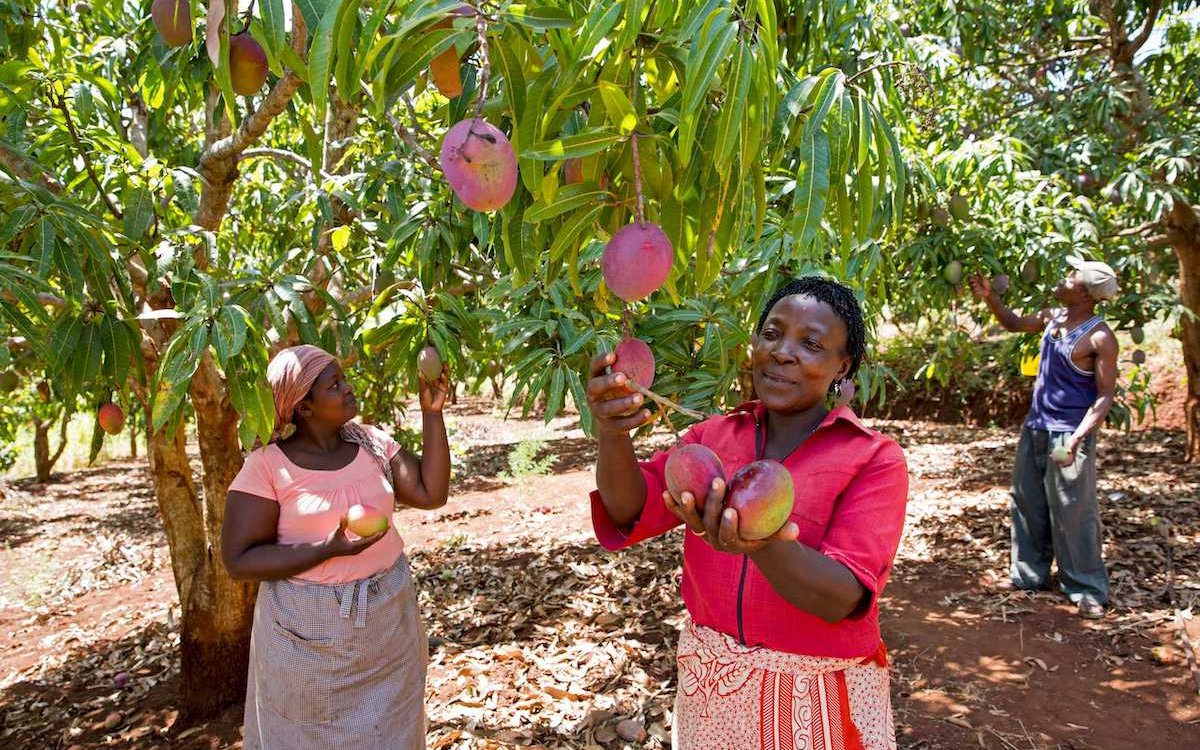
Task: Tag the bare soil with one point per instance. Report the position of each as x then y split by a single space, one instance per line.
541 639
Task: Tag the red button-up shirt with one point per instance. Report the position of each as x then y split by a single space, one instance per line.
851 490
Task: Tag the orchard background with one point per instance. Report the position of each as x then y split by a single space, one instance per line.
173 209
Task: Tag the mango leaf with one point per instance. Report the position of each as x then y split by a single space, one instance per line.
620 110
540 17
139 212
568 199
812 187
589 141
43 244
828 90
273 24
320 58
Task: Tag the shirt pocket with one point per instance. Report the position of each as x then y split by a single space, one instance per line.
816 497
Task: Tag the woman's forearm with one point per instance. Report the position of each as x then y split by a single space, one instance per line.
619 478
272 562
809 580
435 459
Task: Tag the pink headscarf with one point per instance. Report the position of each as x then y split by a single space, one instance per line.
291 374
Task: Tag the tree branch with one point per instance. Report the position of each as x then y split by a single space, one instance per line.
279 154
28 169
45 298
406 135
61 103
1148 27
1140 229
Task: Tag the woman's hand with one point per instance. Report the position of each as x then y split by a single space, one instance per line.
719 526
615 408
337 544
432 396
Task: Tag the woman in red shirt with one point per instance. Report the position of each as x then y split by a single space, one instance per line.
783 647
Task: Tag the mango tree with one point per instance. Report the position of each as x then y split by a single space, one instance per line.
169 225
1067 127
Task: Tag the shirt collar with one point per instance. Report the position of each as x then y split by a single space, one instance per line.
756 409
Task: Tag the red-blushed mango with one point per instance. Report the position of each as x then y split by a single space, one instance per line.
444 71
173 19
479 164
572 171
429 364
1138 357
635 359
111 418
940 216
692 468
1000 283
762 494
637 261
365 520
247 64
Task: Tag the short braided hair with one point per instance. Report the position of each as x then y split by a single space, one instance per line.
840 299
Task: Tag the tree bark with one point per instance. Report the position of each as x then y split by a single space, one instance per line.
43 459
1183 231
217 611
41 449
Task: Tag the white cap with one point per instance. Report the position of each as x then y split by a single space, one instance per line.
1098 278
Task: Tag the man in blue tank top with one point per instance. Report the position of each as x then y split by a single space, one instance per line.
1055 514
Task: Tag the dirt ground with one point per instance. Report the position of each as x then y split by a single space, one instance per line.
541 639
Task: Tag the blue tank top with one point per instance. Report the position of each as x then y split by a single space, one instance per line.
1062 393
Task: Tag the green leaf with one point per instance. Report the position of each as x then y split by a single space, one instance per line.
320 58
826 93
139 212
554 400
313 11
620 110
17 219
540 17
569 198
589 141
730 119
812 187
568 233
514 78
43 245
274 24
344 45
884 134
718 36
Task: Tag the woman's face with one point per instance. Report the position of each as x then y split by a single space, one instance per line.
797 355
331 400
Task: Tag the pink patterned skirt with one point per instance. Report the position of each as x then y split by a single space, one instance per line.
735 697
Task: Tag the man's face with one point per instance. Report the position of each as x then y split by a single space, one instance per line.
1071 289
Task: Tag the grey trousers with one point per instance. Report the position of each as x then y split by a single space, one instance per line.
1055 515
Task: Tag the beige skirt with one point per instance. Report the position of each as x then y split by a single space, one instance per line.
337 666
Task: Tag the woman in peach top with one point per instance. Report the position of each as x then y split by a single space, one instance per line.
337 651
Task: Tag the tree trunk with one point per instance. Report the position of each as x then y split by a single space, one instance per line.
217 610
41 449
1183 230
217 615
43 459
